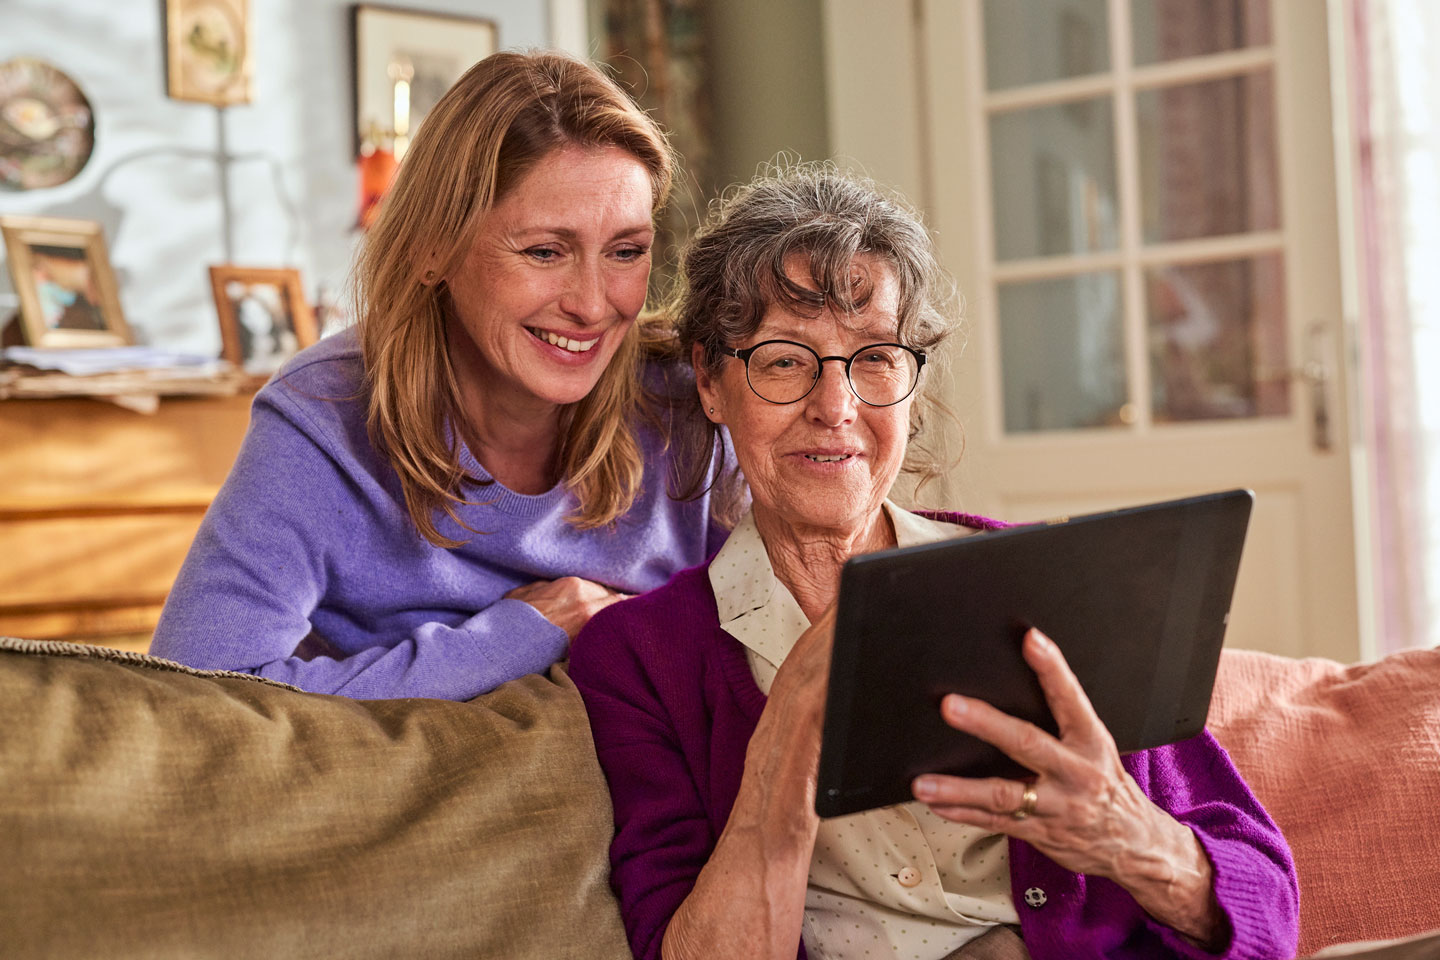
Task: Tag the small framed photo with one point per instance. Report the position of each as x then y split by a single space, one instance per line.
208 51
264 316
405 60
62 274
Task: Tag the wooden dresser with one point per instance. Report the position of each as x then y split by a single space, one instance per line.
98 506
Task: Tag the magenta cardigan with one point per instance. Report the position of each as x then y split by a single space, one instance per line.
673 705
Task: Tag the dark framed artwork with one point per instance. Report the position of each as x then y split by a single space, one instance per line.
405 60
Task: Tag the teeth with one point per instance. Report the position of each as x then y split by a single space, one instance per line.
827 459
564 343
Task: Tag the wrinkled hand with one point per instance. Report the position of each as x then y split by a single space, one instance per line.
1089 815
569 602
786 742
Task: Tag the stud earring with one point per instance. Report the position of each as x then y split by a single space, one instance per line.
712 410
428 278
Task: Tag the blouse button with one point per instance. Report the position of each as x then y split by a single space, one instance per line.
908 877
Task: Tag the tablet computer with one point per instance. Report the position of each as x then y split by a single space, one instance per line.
1137 600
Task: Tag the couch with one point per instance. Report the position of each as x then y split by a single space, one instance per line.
151 810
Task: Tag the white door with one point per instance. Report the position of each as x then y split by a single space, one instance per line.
1138 200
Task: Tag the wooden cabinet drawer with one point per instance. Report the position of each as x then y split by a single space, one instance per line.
98 506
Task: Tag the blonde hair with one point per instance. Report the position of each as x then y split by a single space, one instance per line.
499 119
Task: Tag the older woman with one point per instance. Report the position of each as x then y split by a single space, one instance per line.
437 502
810 313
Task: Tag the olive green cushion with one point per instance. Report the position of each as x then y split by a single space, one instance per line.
147 810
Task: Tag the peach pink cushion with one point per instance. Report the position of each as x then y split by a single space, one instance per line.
1347 761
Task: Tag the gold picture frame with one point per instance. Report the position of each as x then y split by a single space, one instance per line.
62 274
208 51
264 316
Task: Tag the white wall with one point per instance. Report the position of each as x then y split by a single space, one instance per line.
161 212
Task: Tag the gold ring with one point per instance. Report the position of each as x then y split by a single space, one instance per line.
1027 803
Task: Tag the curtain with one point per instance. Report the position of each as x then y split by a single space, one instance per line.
1394 88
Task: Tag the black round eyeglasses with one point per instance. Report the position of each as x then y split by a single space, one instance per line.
783 371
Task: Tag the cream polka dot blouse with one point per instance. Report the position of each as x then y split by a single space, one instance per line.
893 882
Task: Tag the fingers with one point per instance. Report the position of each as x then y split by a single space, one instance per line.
806 670
1018 739
994 794
993 804
609 597
1073 712
527 590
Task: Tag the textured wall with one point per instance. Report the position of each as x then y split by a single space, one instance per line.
161 210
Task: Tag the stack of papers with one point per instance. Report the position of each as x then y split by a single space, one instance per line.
133 377
88 363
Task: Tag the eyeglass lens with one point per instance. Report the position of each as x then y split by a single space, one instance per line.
880 374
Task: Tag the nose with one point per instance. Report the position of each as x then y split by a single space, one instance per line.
832 402
587 299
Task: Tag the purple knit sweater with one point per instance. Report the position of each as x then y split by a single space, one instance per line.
307 568
673 705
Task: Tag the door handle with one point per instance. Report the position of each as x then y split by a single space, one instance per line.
1314 372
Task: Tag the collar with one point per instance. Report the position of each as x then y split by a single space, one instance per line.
758 610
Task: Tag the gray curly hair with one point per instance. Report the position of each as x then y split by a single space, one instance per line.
733 269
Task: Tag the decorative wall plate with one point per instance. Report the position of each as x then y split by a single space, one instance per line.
47 129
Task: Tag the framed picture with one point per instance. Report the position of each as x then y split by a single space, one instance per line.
208 50
404 61
264 316
66 286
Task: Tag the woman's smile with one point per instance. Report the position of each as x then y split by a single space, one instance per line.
829 458
574 348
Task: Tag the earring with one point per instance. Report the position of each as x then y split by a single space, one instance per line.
712 411
428 278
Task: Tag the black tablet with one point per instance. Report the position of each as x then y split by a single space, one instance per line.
1136 599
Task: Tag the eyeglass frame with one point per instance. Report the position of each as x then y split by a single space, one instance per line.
743 354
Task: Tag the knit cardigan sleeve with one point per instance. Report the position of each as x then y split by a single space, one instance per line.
633 663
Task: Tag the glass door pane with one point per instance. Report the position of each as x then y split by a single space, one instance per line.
1216 334
1174 29
1207 158
1062 350
1053 175
1036 41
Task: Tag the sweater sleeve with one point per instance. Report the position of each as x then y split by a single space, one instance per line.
663 837
1254 876
1255 881
260 566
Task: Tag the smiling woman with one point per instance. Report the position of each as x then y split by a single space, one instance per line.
437 501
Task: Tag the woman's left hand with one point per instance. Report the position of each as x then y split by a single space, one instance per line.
1083 810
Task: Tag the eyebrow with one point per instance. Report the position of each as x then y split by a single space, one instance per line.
565 233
